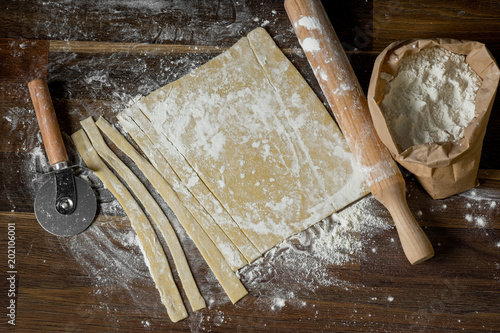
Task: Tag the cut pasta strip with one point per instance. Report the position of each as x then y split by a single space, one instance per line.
234 258
153 252
204 207
153 209
226 277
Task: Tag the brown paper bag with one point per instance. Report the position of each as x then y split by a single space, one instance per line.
447 168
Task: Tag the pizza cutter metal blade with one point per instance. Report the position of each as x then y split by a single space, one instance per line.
65 205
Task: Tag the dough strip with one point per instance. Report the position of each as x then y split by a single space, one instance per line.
154 210
166 158
154 255
226 277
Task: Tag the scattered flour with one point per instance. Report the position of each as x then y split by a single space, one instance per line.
310 44
480 222
481 206
309 257
310 23
278 303
431 98
111 258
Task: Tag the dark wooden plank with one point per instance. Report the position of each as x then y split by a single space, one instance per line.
21 61
201 23
469 20
171 22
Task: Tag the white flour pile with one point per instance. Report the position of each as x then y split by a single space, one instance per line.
309 257
431 98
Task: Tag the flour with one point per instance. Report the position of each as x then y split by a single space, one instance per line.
310 44
310 23
431 98
111 260
481 207
305 258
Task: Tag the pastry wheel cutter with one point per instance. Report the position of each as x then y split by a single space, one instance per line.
65 205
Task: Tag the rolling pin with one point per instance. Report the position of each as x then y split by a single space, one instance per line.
350 108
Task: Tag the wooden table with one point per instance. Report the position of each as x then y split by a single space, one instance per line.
102 54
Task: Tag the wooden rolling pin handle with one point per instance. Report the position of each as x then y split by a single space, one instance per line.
392 194
47 121
348 102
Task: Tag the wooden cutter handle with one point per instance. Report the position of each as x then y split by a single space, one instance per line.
47 121
350 108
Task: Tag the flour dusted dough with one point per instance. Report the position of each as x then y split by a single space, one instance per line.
204 207
215 260
258 137
151 246
234 257
196 300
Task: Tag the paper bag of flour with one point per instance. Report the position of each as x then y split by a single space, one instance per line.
443 168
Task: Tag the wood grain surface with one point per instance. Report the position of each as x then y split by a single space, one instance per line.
102 54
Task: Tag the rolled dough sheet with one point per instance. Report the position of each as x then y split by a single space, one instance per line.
259 138
151 246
